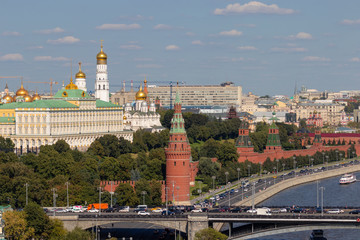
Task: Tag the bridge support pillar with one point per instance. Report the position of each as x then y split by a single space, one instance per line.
195 224
231 227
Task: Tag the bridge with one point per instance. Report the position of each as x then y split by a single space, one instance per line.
250 226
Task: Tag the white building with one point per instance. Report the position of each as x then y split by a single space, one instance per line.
102 81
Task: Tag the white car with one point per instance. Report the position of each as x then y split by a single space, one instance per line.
251 211
143 213
125 209
198 210
93 210
335 211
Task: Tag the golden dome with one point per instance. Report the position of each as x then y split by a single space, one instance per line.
36 97
80 74
7 99
101 56
22 91
71 85
28 98
124 117
140 95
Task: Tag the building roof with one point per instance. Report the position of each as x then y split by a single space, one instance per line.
7 120
71 93
48 103
103 104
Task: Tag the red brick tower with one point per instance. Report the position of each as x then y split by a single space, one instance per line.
178 154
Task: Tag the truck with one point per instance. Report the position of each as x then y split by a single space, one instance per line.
77 209
263 211
98 206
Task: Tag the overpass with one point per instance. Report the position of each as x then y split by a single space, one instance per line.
251 225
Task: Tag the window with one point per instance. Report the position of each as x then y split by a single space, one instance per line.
104 87
174 163
183 163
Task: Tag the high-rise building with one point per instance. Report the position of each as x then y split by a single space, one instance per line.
102 81
178 154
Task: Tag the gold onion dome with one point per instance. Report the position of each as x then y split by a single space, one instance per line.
124 117
71 85
101 56
80 74
140 95
22 91
36 97
7 98
28 98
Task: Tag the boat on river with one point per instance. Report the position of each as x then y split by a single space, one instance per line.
347 178
317 235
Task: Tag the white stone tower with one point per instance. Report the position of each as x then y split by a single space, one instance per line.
102 81
80 79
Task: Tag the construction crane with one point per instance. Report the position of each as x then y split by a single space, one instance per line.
50 83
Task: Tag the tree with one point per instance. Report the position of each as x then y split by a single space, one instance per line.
210 148
6 145
57 229
165 118
37 219
16 226
78 234
61 146
227 152
125 195
210 234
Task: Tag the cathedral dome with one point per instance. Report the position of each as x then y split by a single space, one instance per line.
22 91
80 74
7 98
36 97
140 95
28 98
101 56
71 85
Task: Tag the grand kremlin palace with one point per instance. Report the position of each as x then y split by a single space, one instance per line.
71 114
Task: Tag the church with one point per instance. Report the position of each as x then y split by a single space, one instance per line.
71 114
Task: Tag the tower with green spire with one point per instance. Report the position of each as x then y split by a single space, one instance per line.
178 154
243 142
273 141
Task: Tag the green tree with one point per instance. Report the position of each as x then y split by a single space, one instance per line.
78 234
38 220
16 226
61 146
165 118
210 148
6 145
210 234
125 195
227 152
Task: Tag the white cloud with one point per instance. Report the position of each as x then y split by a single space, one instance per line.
197 42
300 35
64 40
355 59
51 31
12 57
246 48
131 47
252 7
231 33
109 26
350 22
162 27
316 59
149 66
14 34
288 50
172 47
50 58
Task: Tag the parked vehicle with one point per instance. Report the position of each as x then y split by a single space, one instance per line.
335 211
102 206
197 210
156 210
143 213
263 211
125 209
168 213
93 210
77 209
236 210
356 211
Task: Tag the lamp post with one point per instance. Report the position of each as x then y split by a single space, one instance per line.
309 159
340 154
54 198
166 199
213 178
295 167
283 167
67 194
249 167
238 171
226 177
337 152
353 154
26 193
294 158
144 193
99 200
242 190
312 161
253 197
277 166
323 153
322 200
178 188
327 160
276 174
349 153
260 169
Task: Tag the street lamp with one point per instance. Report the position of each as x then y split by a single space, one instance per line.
226 177
166 199
340 154
337 152
323 153
67 194
312 161
295 167
249 167
294 158
54 198
327 160
309 159
283 167
143 193
238 171
277 166
213 178
349 153
178 188
99 200
353 154
322 200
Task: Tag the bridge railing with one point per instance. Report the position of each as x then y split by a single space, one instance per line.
94 216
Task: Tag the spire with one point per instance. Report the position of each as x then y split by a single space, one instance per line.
6 86
177 122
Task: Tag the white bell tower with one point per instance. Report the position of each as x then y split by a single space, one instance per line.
102 81
80 79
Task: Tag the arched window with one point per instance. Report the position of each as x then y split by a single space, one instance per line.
99 85
104 86
174 163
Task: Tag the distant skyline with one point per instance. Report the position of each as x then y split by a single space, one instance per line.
264 46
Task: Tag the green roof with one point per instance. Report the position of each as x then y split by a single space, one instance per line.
7 120
50 103
71 93
101 103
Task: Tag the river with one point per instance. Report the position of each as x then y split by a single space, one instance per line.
305 195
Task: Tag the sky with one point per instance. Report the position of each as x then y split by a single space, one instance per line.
265 46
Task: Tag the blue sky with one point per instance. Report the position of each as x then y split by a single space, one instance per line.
265 46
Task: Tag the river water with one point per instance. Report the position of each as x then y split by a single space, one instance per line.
305 195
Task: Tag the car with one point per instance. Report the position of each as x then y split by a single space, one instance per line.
125 209
251 211
140 209
197 210
335 211
156 210
143 213
236 210
168 213
93 210
356 211
205 209
110 210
